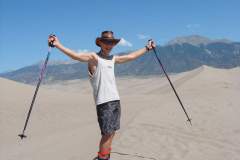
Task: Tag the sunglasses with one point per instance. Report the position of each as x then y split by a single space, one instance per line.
108 41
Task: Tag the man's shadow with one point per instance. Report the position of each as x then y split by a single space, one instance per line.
130 155
95 158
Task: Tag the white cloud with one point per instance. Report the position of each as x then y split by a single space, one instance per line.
125 43
193 27
143 36
82 50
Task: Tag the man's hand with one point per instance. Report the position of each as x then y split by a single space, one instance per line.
150 45
54 41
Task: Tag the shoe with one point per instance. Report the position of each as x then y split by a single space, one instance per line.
103 159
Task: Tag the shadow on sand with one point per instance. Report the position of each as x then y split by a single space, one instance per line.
130 155
133 155
95 158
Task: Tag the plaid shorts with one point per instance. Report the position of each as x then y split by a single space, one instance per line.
109 114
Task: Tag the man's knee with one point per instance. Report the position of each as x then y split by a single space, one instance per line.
108 136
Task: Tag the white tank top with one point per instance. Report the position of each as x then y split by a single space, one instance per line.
103 81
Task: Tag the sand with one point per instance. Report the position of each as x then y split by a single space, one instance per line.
63 124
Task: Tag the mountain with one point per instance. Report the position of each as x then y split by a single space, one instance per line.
196 40
182 54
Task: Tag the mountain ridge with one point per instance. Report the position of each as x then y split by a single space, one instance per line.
196 40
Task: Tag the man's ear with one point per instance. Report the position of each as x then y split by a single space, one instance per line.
101 45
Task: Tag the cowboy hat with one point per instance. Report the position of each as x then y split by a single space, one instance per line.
107 38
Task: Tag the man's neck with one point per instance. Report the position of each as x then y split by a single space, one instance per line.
103 55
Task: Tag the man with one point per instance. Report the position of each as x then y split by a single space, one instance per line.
102 78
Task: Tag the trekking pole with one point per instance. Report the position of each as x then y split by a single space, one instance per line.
50 44
188 118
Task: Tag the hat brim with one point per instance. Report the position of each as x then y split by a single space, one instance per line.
100 40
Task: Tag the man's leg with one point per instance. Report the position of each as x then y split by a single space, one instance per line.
105 144
112 140
109 121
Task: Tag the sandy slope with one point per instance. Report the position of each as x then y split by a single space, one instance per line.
63 124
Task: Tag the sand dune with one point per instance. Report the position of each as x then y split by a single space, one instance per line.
63 124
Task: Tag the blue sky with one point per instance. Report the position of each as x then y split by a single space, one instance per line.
26 24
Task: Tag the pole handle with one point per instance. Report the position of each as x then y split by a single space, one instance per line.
50 44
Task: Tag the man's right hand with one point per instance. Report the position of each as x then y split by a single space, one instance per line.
54 40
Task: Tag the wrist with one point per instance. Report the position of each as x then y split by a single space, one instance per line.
58 45
147 48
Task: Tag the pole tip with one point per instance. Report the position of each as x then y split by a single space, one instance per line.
22 136
190 121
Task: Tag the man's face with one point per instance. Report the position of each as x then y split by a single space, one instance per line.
106 47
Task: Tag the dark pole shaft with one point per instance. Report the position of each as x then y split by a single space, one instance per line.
36 91
188 118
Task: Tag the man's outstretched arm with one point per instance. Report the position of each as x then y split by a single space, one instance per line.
134 55
83 57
